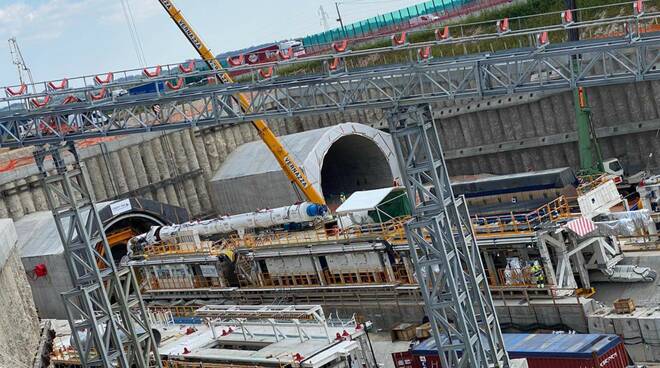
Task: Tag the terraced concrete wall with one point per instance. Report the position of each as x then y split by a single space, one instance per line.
503 135
19 325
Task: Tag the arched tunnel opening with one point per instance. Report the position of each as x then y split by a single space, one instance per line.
351 164
123 228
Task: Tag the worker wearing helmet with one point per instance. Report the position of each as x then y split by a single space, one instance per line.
537 274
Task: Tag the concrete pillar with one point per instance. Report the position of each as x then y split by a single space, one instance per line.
117 173
4 212
106 172
129 169
183 166
151 168
138 165
38 193
25 196
95 177
221 147
13 201
163 170
238 137
246 131
202 196
228 135
208 137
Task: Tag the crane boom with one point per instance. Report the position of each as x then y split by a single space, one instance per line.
284 159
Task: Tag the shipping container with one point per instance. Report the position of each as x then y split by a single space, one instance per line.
540 350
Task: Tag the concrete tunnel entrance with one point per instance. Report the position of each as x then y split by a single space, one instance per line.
337 159
353 163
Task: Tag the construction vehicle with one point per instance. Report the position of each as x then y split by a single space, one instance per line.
286 162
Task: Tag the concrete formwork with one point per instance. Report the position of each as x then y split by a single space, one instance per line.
339 159
19 325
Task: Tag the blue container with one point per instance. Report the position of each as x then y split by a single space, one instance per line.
549 350
540 345
152 87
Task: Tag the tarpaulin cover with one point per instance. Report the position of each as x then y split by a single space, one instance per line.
395 204
365 200
630 223
514 183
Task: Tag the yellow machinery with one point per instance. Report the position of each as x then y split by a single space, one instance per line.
290 168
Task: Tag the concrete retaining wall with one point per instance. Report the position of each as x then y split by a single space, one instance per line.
504 135
19 325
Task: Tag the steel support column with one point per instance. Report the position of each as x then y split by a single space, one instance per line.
106 313
443 248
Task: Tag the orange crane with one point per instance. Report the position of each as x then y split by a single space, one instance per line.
289 166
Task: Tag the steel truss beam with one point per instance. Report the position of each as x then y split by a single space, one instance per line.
106 313
443 248
602 62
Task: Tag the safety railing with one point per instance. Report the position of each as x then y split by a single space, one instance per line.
175 310
330 278
519 223
192 282
294 279
392 231
590 183
355 277
170 363
182 248
65 356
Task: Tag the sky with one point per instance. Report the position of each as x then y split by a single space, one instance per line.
67 38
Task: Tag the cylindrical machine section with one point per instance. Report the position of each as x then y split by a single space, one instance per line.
297 213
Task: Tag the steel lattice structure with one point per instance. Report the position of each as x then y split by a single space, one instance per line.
106 313
443 248
603 62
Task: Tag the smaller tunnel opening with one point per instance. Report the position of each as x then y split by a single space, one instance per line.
119 232
351 164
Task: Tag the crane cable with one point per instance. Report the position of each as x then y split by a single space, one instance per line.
133 32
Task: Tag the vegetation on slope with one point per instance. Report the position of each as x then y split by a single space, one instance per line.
529 14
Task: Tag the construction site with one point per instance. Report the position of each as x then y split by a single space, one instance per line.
456 183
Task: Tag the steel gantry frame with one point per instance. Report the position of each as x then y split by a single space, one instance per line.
465 326
443 248
106 313
602 62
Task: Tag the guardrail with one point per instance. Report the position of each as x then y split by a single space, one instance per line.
392 231
523 223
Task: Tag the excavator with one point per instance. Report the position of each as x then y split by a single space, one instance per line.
289 166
